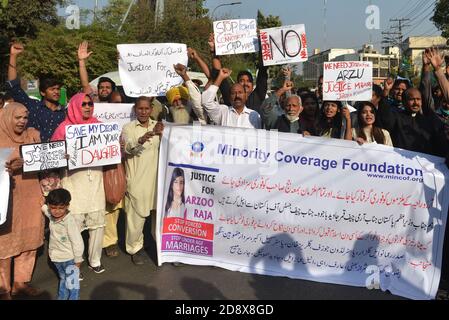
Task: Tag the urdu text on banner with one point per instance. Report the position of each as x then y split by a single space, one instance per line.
310 208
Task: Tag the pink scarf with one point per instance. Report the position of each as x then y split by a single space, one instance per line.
74 116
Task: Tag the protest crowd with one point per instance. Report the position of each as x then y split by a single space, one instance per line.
84 200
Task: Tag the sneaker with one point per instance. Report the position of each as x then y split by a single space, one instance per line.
138 258
99 269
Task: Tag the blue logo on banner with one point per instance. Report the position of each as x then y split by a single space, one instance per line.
197 147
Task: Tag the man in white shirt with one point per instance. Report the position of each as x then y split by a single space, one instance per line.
238 115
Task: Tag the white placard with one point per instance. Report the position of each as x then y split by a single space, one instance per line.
121 113
282 45
348 80
93 145
324 210
4 184
147 69
43 156
235 36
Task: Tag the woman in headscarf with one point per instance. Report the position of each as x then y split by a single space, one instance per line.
23 232
88 204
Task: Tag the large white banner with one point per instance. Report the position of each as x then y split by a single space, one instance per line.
93 145
310 208
147 69
282 45
235 36
348 80
120 113
4 184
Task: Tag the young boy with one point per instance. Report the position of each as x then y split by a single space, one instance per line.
66 245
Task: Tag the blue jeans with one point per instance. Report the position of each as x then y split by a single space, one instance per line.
69 282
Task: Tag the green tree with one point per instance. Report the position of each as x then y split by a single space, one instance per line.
19 19
183 22
264 22
22 20
54 52
441 17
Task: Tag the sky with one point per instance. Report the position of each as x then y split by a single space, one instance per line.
343 20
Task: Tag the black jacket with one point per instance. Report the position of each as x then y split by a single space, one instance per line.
283 124
420 133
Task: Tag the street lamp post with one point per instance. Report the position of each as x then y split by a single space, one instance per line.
222 5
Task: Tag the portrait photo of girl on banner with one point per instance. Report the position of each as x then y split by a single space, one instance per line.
175 206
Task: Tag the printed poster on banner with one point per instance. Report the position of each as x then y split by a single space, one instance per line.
121 113
43 156
4 185
147 69
235 36
348 81
283 45
229 199
93 145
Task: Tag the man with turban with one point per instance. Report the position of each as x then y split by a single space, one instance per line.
184 101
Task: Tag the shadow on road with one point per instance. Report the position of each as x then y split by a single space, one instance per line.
198 289
112 290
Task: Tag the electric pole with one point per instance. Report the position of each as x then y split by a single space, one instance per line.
395 36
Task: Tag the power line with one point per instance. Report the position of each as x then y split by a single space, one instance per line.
400 10
417 25
422 12
417 5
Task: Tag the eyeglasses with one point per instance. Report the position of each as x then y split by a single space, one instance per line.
90 104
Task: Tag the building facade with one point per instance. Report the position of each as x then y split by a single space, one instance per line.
413 47
313 67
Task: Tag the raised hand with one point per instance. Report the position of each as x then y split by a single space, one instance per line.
224 73
83 53
192 54
16 49
286 72
288 85
180 69
436 58
388 84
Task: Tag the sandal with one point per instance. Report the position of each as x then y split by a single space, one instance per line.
112 251
26 290
5 296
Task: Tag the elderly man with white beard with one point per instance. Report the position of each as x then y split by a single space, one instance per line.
289 121
184 101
